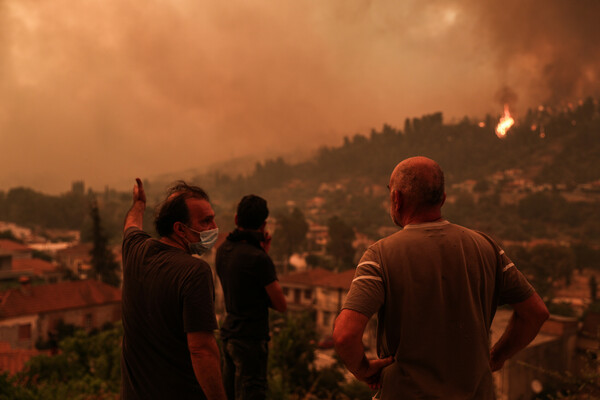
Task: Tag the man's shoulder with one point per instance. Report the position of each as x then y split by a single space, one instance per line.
134 231
476 235
244 248
133 238
193 262
177 257
417 233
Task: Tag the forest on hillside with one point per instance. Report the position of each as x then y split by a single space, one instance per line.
550 145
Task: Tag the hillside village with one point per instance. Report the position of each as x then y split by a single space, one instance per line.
323 223
41 294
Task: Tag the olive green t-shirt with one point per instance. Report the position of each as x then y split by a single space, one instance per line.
435 287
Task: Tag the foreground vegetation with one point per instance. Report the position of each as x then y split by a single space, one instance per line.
87 367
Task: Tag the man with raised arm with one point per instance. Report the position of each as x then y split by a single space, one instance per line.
250 287
169 349
435 287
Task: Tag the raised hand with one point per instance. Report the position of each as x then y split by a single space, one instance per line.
138 191
135 215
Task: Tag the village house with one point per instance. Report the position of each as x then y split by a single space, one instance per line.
322 292
317 237
77 258
31 313
16 260
15 249
37 268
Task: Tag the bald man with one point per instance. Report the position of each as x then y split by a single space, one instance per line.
435 287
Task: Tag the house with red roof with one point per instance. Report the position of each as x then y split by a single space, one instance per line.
16 261
15 249
37 267
30 313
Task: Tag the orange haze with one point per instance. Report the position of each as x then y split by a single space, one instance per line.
106 90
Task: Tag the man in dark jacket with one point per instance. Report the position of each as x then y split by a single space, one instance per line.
250 287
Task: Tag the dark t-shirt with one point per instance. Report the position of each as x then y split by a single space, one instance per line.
245 269
166 293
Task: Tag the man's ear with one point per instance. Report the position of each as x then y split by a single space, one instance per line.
262 227
236 220
179 228
398 200
443 199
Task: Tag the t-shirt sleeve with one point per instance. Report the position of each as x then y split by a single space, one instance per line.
514 287
367 290
132 241
198 300
266 270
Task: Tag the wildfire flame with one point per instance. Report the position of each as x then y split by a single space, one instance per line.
506 122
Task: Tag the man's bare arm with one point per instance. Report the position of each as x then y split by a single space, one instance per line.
206 362
135 215
276 295
347 338
525 323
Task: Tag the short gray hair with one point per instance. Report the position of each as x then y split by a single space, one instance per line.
423 184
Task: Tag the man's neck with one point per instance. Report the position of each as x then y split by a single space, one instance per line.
172 242
423 217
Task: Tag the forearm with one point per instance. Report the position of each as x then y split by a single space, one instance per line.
525 323
207 368
347 339
516 336
135 215
276 298
352 354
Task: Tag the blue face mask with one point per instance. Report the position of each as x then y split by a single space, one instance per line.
207 241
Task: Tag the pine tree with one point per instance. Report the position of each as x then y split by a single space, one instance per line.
340 247
104 266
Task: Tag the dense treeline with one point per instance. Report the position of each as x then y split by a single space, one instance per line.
558 147
27 207
68 211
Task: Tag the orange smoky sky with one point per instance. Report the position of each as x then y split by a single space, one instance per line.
106 90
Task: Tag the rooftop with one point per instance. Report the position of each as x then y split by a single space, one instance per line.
28 299
36 265
76 249
12 246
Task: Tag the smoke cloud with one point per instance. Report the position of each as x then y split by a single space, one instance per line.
106 90
547 47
